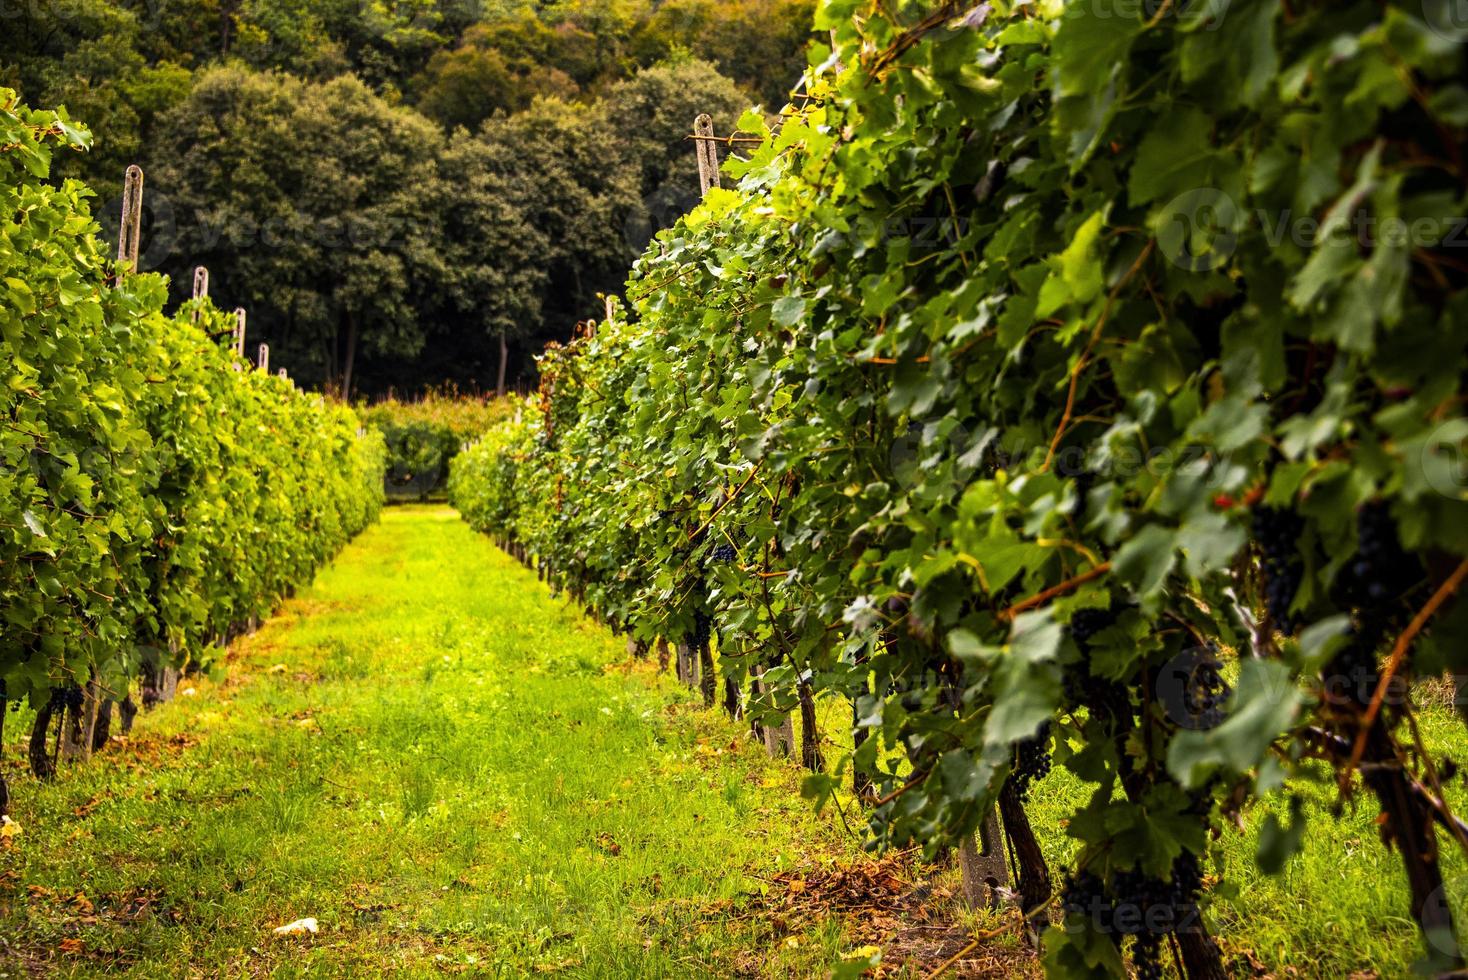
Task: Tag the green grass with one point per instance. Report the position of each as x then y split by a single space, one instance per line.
455 773
440 763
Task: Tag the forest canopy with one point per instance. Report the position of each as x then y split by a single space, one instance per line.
400 192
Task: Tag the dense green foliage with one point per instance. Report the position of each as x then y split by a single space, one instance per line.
474 172
1050 366
153 494
424 434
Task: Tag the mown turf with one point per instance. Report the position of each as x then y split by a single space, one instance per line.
446 768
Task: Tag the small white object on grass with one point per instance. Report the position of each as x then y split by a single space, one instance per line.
301 927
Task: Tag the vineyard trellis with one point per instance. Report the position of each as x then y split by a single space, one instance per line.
154 502
1074 383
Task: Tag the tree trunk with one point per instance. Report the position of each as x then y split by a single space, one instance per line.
664 655
126 712
76 734
102 724
732 704
4 789
810 744
1410 825
42 764
1202 959
1034 876
499 384
861 780
351 357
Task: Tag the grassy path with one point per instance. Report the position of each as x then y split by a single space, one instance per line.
442 765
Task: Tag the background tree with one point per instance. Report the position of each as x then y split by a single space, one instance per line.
494 276
327 240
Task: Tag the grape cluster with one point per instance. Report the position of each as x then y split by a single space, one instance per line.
1356 663
1086 623
1206 692
1101 697
1084 894
702 629
1277 532
723 554
1140 906
1147 955
1031 761
1381 571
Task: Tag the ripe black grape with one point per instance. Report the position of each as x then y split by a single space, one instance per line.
1086 623
723 554
1147 955
1381 571
1031 761
1277 532
1084 894
702 629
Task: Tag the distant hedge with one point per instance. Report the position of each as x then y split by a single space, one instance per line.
423 435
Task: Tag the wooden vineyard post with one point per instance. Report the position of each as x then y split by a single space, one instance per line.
982 864
707 681
810 742
262 359
201 289
779 739
239 336
130 231
282 375
708 153
684 660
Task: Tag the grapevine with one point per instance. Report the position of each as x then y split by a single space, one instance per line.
1110 427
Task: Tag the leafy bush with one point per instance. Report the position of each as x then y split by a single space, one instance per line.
423 436
1044 360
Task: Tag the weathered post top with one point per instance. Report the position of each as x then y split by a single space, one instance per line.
708 153
130 229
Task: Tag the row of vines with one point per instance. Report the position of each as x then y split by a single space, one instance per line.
156 495
1076 379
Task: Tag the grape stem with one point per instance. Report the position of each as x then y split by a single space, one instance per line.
1040 598
1394 662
